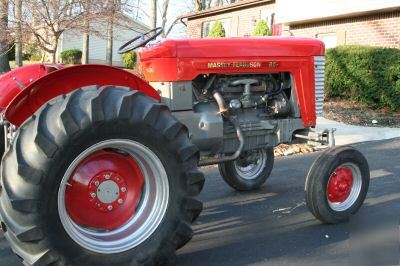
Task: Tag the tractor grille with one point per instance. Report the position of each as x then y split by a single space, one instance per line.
319 63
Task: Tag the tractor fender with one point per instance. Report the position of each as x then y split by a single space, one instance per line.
68 79
14 82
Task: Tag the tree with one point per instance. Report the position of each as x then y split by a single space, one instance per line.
217 30
4 37
47 20
199 5
164 19
261 29
18 33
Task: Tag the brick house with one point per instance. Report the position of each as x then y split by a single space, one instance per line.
336 22
238 18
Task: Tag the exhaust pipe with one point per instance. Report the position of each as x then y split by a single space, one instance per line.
224 111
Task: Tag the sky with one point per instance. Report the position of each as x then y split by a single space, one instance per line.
176 8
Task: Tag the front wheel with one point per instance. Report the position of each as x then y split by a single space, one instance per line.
337 184
249 171
102 176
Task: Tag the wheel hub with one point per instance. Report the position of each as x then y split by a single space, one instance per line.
104 190
107 191
251 164
339 185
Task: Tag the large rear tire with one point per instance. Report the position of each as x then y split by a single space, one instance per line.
101 176
249 171
337 184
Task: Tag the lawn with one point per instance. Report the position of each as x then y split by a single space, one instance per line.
25 62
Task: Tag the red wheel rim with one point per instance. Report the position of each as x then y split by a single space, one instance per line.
121 228
340 184
103 191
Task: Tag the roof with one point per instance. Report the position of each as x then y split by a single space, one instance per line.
226 8
287 10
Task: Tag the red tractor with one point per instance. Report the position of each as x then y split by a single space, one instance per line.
101 167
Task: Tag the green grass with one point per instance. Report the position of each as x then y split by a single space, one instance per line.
25 62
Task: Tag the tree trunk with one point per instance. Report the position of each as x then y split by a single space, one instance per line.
54 53
18 33
197 5
85 48
109 51
153 14
85 34
4 63
164 17
203 4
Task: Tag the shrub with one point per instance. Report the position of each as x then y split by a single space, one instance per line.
71 56
364 74
261 29
33 52
129 59
217 30
35 57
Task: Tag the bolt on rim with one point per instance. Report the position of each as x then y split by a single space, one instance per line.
251 171
147 214
344 187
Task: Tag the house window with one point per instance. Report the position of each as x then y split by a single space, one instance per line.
207 26
330 39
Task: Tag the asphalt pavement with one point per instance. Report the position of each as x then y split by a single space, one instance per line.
272 226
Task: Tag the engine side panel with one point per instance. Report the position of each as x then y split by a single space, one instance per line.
176 95
66 80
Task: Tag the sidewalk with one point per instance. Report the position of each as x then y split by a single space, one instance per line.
348 134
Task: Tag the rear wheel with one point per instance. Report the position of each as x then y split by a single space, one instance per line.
337 184
249 171
98 177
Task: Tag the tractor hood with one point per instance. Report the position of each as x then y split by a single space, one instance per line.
233 48
184 59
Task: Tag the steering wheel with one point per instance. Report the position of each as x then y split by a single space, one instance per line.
142 40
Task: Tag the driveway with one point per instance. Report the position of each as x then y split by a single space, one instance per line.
272 226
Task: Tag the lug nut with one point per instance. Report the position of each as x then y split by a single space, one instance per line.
110 207
107 176
97 183
93 195
120 201
123 189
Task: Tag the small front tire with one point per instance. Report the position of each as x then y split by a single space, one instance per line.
337 184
